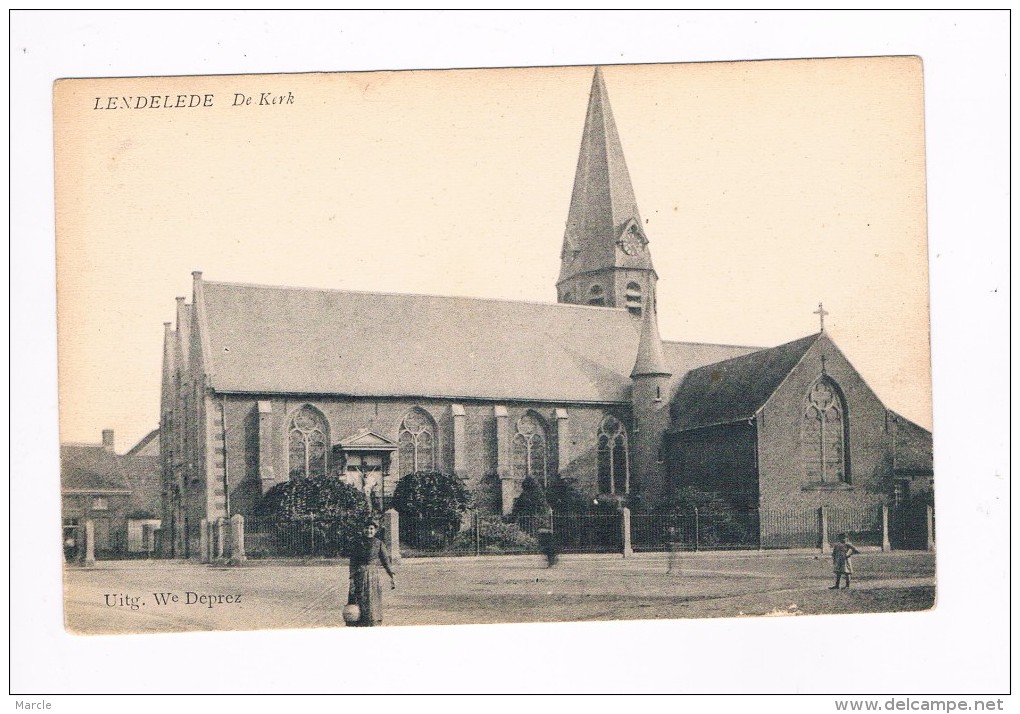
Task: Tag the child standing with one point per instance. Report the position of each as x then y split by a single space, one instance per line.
841 553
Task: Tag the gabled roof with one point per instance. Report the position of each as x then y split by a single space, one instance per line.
265 340
148 446
602 204
368 440
735 389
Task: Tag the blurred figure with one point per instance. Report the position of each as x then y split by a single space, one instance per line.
548 545
673 547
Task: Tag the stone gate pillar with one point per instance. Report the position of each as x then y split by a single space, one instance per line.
628 550
823 529
237 555
90 543
886 546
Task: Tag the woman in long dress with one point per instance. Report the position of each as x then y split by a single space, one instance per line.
365 590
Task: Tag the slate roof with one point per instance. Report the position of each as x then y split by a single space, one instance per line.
913 453
88 467
305 341
734 389
602 203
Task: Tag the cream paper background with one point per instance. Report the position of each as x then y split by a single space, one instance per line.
127 258
765 187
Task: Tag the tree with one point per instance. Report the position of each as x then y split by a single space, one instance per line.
431 505
321 515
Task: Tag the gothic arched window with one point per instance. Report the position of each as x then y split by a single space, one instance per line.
417 442
823 434
634 299
307 438
614 471
530 456
596 296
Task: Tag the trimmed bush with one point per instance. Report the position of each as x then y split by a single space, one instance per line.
315 516
431 505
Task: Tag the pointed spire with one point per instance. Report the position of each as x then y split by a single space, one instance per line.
650 359
602 206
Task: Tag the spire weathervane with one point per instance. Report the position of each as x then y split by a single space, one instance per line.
821 312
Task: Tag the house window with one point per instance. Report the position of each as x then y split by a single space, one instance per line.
417 442
530 456
307 438
99 503
634 299
596 296
614 471
823 434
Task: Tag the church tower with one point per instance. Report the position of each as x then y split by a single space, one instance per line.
605 259
650 407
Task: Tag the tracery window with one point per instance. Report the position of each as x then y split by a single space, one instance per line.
596 296
530 455
417 442
307 438
613 462
823 434
633 297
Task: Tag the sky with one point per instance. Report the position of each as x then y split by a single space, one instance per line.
766 188
959 646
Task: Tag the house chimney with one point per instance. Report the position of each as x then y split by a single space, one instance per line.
108 439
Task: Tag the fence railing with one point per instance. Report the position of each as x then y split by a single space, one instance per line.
477 534
267 538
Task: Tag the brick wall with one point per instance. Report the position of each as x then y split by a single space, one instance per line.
348 416
783 480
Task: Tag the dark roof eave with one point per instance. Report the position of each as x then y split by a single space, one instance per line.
452 398
741 420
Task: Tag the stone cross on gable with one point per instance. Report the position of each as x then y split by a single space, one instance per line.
821 312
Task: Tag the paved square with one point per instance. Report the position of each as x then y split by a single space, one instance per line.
138 596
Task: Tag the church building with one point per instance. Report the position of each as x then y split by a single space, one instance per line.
262 384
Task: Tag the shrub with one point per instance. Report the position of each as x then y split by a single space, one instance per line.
722 521
531 502
315 516
495 536
431 504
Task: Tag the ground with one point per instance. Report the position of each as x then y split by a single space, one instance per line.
120 596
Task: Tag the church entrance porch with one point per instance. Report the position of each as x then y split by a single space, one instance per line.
364 461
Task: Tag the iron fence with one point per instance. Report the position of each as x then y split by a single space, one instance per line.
697 529
477 534
863 525
268 538
800 528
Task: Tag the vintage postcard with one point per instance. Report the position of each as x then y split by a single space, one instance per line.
587 343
